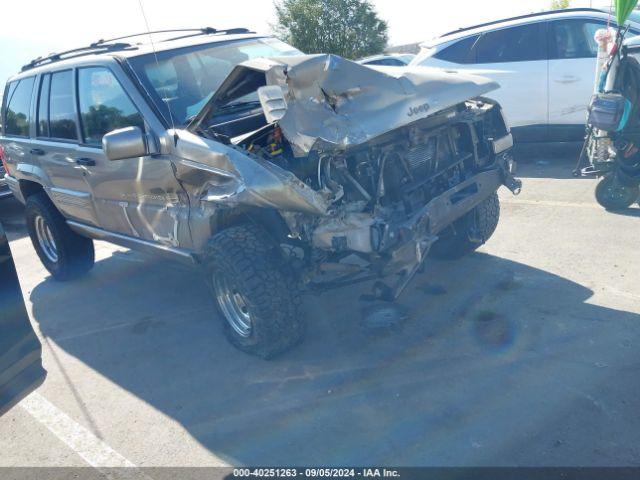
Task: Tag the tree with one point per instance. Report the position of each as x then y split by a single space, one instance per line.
349 28
560 4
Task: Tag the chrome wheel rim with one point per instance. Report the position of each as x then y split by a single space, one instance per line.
45 239
233 305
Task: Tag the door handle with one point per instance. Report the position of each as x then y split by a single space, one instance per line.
86 162
567 79
36 151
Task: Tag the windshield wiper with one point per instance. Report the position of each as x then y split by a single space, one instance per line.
239 105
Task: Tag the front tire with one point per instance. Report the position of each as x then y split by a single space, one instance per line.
614 195
468 233
64 253
253 290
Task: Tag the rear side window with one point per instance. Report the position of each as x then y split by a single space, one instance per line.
43 106
460 52
104 105
573 39
62 112
18 105
517 44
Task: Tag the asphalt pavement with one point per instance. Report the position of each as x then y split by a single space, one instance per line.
522 354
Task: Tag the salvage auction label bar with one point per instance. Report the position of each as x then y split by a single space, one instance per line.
229 473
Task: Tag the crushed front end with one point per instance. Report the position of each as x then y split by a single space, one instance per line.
373 167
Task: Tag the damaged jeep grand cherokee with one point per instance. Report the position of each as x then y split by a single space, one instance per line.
276 172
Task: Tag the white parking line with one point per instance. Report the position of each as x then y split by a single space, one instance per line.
83 442
551 203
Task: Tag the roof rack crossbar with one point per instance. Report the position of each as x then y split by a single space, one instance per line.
211 31
103 41
519 17
103 45
194 32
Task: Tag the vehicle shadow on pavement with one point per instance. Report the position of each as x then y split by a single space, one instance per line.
12 218
540 160
559 168
498 363
633 211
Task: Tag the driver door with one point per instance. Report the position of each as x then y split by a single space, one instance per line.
135 197
21 369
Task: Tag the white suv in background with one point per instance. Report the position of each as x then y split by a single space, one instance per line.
544 63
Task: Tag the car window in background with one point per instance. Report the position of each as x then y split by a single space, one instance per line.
407 57
185 79
634 16
460 52
62 110
104 105
573 39
388 62
18 105
516 44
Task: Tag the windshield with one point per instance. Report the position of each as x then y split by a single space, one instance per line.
182 80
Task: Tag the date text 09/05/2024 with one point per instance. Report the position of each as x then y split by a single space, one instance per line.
316 472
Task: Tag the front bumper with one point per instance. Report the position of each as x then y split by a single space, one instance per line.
451 205
445 209
414 237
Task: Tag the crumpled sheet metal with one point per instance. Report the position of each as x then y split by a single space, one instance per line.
206 163
333 102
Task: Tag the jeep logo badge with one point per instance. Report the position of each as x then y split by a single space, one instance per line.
418 110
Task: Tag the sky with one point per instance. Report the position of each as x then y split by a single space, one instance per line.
65 24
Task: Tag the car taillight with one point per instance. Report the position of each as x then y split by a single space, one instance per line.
4 161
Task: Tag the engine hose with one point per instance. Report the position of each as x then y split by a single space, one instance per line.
380 190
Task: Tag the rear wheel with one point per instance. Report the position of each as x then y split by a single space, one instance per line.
613 195
253 290
469 232
64 253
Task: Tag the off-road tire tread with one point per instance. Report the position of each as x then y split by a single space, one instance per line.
76 254
456 243
247 254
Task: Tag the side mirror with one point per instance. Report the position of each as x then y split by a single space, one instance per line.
129 142
273 102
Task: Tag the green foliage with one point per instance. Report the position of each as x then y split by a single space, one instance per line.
560 4
623 9
349 28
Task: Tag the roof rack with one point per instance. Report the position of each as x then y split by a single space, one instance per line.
76 52
519 17
102 46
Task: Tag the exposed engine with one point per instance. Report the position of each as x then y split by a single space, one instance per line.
377 186
363 171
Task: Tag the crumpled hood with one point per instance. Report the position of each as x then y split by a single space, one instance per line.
337 103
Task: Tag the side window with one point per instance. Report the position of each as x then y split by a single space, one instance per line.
62 112
104 105
43 106
460 52
516 44
8 91
573 39
18 106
